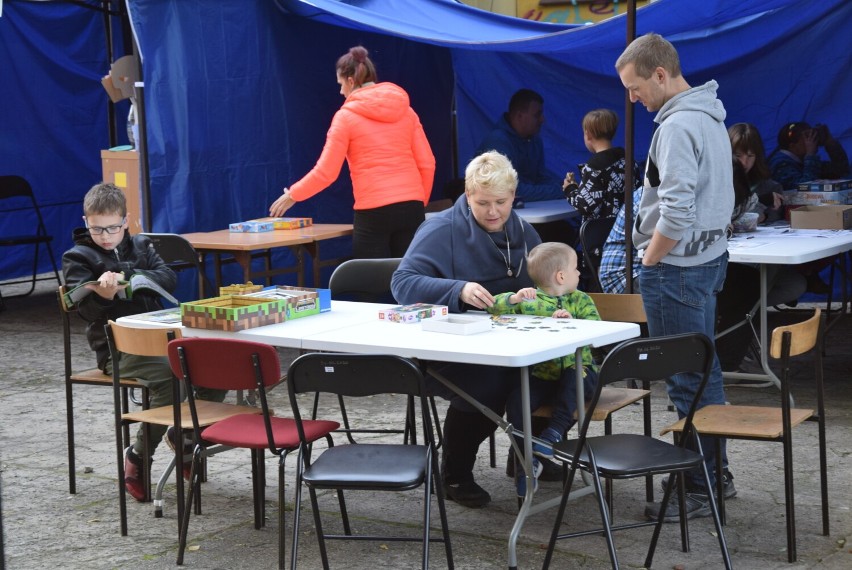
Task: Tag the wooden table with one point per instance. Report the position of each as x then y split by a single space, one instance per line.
243 247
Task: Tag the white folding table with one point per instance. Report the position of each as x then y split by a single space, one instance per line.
541 212
779 245
355 328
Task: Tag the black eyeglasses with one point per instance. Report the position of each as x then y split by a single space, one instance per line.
112 230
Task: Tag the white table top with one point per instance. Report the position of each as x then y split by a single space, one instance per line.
355 327
546 211
541 212
782 245
529 341
288 334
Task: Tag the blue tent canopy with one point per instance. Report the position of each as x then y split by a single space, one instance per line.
239 93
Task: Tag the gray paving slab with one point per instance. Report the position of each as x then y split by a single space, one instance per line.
44 526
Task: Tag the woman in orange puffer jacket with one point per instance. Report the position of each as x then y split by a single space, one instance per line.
390 160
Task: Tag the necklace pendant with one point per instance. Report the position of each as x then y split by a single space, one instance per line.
509 273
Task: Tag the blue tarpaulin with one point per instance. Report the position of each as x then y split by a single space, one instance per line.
240 93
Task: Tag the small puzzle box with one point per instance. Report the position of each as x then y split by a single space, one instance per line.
413 313
251 226
300 301
286 223
233 312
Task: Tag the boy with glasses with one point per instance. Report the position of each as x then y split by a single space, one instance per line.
105 252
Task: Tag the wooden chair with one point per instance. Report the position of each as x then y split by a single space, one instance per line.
89 377
229 364
153 342
776 423
18 194
366 466
629 455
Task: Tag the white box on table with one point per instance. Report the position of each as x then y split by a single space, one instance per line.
455 324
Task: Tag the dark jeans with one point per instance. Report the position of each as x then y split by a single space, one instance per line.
561 393
683 300
386 231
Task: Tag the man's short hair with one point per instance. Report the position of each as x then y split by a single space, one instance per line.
545 259
647 53
601 124
492 173
105 199
522 99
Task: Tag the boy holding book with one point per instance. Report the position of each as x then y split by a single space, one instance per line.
106 253
553 268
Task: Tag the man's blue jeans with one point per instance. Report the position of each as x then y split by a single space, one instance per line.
683 300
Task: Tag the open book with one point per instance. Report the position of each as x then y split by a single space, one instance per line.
137 282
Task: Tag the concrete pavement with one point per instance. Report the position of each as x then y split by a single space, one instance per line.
44 526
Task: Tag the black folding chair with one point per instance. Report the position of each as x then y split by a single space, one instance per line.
17 195
365 466
179 254
593 234
625 455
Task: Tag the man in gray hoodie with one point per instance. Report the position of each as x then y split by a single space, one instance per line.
680 229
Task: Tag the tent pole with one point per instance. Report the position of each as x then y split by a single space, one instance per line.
629 154
142 143
105 7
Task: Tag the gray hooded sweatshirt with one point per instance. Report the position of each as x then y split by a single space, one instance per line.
689 194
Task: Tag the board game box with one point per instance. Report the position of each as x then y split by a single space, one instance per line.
412 313
286 223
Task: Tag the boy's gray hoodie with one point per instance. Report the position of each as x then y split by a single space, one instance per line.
689 194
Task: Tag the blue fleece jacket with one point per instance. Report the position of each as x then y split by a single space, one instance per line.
535 181
450 249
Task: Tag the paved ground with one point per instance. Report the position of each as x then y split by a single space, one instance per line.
44 526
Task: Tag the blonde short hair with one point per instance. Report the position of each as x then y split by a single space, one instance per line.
545 259
492 173
649 52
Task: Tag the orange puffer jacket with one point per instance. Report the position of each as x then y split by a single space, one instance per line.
389 156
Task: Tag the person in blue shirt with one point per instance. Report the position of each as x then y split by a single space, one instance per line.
612 273
516 136
796 159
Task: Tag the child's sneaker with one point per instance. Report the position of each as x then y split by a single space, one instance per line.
521 480
546 451
133 474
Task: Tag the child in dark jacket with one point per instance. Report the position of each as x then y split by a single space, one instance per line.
105 252
600 193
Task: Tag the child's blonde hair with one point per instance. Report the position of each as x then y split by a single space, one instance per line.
545 259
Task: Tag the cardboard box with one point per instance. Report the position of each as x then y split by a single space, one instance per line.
123 75
251 227
412 313
821 218
300 301
233 312
834 198
287 223
454 324
240 289
824 185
